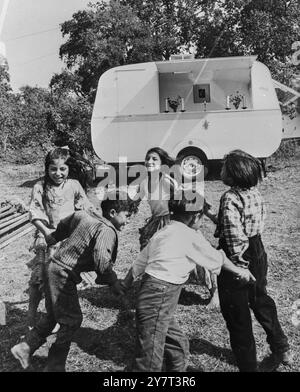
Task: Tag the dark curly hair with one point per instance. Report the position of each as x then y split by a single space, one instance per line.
77 165
56 153
164 156
244 170
119 201
187 201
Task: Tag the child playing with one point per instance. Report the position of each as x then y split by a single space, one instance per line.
52 200
156 189
90 244
165 264
239 228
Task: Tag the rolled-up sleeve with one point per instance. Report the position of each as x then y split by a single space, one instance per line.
104 256
36 208
204 254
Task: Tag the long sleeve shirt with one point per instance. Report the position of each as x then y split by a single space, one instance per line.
241 216
173 252
90 244
57 202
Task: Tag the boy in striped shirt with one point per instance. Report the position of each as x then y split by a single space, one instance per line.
90 243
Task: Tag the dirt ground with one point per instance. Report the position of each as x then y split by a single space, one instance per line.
105 342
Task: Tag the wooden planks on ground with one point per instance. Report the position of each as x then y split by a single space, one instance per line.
14 223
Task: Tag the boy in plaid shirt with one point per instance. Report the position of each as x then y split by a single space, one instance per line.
90 244
164 266
239 227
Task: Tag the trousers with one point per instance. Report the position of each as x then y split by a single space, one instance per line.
159 338
62 307
236 300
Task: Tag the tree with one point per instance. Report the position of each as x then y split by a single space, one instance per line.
169 24
66 83
68 121
264 28
35 104
103 36
9 118
109 34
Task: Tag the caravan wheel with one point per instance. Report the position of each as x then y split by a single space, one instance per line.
192 164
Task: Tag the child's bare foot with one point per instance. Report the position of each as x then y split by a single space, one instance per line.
214 302
21 352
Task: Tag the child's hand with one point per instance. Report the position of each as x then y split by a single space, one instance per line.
207 210
245 275
50 240
117 289
127 282
125 285
206 206
212 217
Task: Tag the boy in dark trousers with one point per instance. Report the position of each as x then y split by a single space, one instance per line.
164 266
90 244
240 226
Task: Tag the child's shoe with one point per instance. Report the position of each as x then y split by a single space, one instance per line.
21 352
57 357
286 358
273 361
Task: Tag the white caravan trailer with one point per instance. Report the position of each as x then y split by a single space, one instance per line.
224 104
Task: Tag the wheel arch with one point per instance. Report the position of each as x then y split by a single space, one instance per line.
194 145
193 150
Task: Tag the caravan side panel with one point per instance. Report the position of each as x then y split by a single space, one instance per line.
123 91
263 92
216 133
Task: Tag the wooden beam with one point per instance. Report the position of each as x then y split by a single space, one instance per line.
14 224
7 236
2 209
9 212
29 228
14 215
13 219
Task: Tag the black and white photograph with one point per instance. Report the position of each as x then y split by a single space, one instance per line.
149 189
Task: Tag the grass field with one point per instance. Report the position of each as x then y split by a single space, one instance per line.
105 341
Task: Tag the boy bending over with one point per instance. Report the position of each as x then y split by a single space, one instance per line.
91 243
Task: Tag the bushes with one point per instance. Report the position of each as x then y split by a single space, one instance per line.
23 156
288 150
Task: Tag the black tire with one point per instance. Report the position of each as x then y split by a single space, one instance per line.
192 164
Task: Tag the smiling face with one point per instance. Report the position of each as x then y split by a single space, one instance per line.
152 162
58 171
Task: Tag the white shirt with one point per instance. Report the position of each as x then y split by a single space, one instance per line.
173 252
